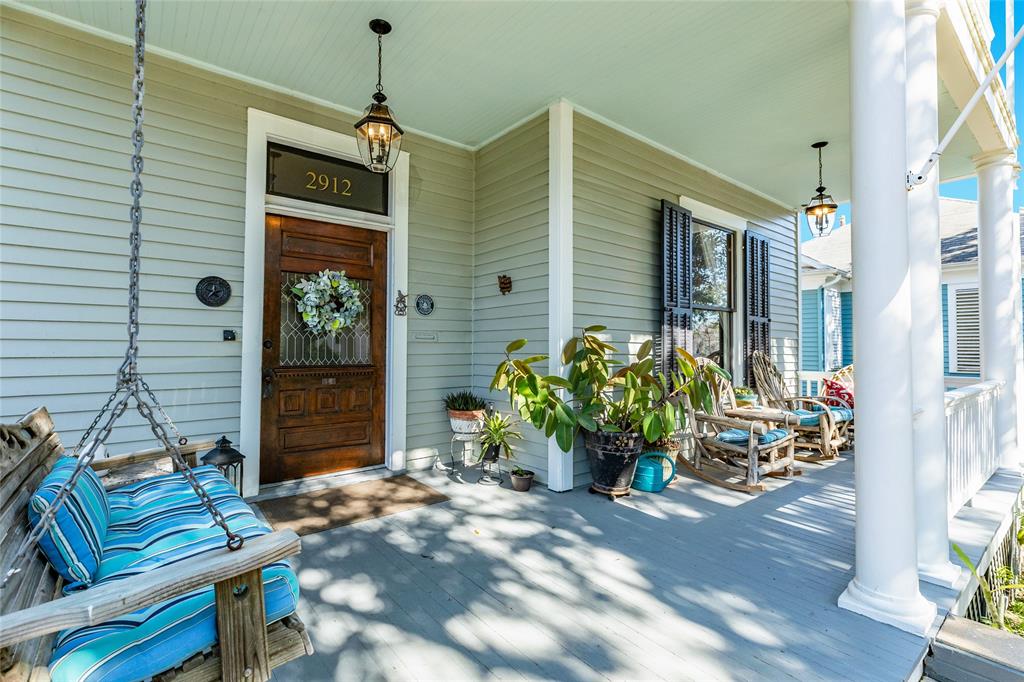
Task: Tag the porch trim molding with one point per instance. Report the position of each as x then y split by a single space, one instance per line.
263 127
560 266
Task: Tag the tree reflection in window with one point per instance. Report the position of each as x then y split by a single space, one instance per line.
712 292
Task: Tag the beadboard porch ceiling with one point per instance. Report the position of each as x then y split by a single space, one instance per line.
742 88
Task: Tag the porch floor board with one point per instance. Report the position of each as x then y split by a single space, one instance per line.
696 583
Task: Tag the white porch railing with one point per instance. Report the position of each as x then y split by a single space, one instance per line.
810 382
970 440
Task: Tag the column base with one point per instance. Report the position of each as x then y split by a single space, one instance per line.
915 615
945 574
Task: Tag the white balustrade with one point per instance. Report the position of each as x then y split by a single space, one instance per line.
971 450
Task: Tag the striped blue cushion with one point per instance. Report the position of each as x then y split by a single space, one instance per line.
741 437
74 542
157 522
840 414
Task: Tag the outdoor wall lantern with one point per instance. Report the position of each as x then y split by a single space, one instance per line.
229 461
821 211
378 134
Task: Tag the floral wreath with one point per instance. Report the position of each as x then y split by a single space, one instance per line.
328 301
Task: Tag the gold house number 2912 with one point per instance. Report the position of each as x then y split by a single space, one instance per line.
321 182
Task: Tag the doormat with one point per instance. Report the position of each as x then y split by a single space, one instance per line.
322 510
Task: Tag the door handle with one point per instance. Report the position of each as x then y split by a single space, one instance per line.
268 383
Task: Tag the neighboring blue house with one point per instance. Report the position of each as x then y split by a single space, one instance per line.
826 291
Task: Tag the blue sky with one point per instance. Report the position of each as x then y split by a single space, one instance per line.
968 187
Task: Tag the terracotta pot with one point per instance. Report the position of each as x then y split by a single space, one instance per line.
613 458
466 421
522 483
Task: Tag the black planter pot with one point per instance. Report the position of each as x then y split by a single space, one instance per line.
613 459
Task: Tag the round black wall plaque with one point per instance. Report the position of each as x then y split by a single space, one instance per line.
424 304
213 291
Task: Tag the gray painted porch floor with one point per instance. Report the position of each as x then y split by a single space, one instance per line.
695 583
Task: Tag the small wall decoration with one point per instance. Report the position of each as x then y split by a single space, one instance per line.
424 304
401 304
213 291
504 284
328 301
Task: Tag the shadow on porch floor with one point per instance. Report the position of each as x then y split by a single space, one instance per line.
696 583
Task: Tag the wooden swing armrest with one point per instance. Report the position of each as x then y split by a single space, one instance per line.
811 400
760 428
104 602
114 462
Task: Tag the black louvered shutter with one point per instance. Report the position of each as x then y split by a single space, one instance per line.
676 323
758 336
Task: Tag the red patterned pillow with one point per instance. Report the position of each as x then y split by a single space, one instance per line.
834 389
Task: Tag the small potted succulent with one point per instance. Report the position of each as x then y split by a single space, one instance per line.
465 411
745 397
522 479
617 406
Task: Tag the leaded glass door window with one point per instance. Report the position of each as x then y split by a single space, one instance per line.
301 347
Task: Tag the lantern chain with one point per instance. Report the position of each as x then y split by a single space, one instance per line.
380 67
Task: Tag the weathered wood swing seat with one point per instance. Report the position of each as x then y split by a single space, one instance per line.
33 610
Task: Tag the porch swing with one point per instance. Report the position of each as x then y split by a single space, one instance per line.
173 577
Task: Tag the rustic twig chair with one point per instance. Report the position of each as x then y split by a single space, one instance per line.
820 427
734 446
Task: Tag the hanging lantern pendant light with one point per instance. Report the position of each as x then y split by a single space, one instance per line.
377 133
821 210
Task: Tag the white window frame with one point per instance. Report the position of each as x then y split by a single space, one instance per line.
718 217
952 331
264 127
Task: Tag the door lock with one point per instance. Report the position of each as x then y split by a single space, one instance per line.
268 383
268 344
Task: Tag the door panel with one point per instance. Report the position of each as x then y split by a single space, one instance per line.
323 396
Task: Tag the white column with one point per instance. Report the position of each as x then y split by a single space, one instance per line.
999 275
928 385
885 586
560 262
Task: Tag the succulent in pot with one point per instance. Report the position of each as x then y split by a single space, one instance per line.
465 411
617 406
522 479
745 396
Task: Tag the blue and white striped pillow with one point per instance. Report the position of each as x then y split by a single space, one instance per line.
74 542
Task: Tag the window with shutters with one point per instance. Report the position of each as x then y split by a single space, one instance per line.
964 329
833 331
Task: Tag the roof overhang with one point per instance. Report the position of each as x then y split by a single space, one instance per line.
724 85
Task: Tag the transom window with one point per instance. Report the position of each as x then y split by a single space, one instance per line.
713 300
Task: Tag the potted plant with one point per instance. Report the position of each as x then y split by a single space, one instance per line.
617 409
745 397
465 411
498 431
522 479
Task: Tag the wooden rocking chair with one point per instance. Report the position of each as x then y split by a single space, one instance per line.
735 446
821 427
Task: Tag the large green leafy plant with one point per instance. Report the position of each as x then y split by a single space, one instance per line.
600 393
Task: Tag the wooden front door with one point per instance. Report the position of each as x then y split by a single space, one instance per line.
323 395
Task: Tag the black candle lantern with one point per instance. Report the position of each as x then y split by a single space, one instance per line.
229 461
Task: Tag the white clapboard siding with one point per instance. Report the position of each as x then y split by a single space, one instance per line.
512 239
618 185
63 248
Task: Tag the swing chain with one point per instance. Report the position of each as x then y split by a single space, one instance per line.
129 382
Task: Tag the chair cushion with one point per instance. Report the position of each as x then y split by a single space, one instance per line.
840 414
153 523
74 542
741 437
